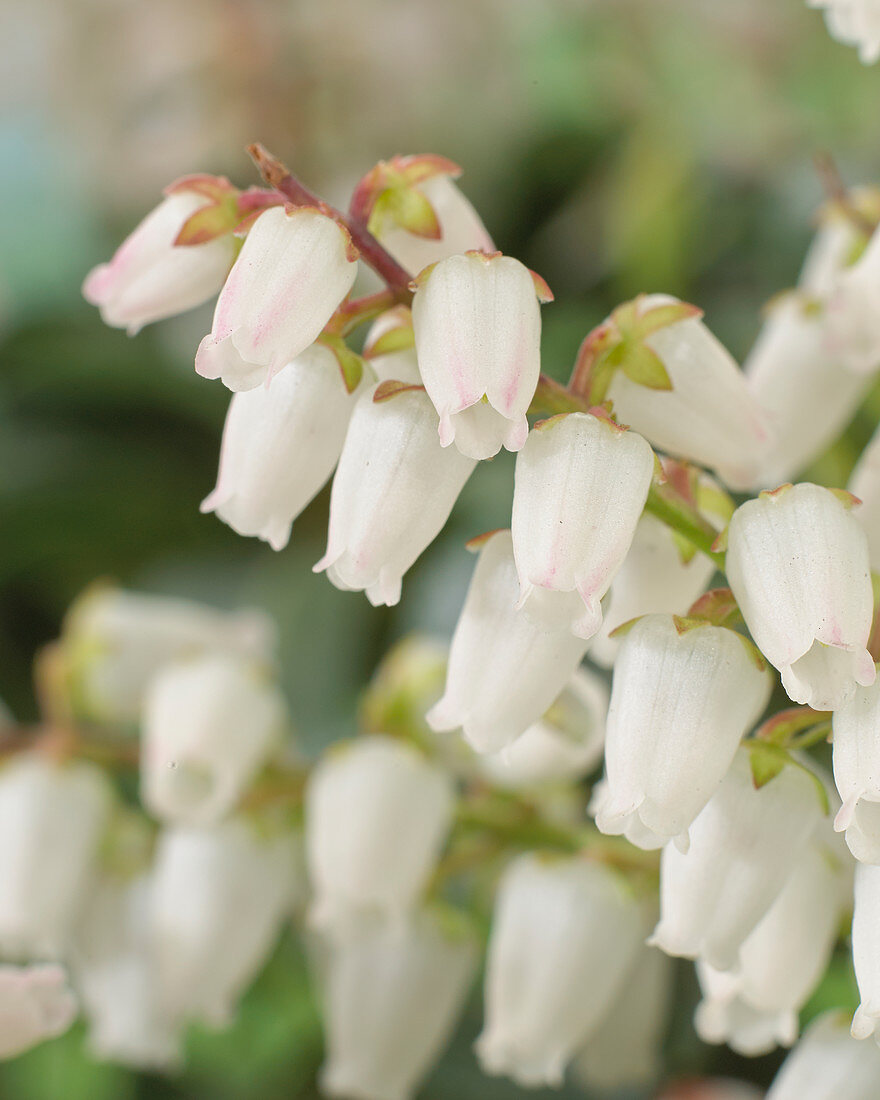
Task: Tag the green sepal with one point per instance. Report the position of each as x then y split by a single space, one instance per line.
408 209
718 607
767 761
401 338
644 367
351 365
391 388
783 727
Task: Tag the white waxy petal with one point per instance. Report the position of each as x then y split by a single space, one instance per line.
743 845
377 816
836 241
564 934
708 416
209 726
392 994
395 366
865 484
35 1004
828 1063
478 339
852 321
854 23
581 484
866 950
506 667
290 276
856 758
797 563
392 494
682 699
280 445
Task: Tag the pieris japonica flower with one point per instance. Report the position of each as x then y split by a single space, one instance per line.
391 997
477 326
564 934
377 816
684 695
390 347
52 817
280 446
625 1050
116 976
35 1004
564 745
209 726
838 241
220 896
115 641
805 392
865 484
852 324
797 563
854 23
150 277
581 484
505 667
708 416
392 494
866 950
754 1006
828 1062
856 759
294 269
743 846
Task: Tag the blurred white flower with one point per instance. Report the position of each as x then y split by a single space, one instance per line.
865 484
852 322
828 1062
35 1004
855 23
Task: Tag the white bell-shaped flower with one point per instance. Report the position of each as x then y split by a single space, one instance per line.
219 900
807 396
754 1006
478 339
294 269
114 967
797 563
564 935
866 950
400 365
461 229
565 745
209 726
52 817
828 1063
856 759
581 484
505 666
655 576
851 322
633 829
392 494
280 446
708 416
684 695
743 846
377 816
36 1004
865 484
149 278
835 244
854 23
392 994
116 641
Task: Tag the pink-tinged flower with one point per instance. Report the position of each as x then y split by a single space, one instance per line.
581 485
798 566
280 445
854 23
478 339
294 269
392 494
35 1004
150 277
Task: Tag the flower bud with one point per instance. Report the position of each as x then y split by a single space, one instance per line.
52 817
116 641
708 416
581 484
837 241
150 278
564 934
684 695
807 396
293 271
865 484
852 323
209 726
856 758
35 1004
478 338
565 745
854 23
392 494
220 897
392 994
743 847
797 563
505 667
377 816
828 1062
280 446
